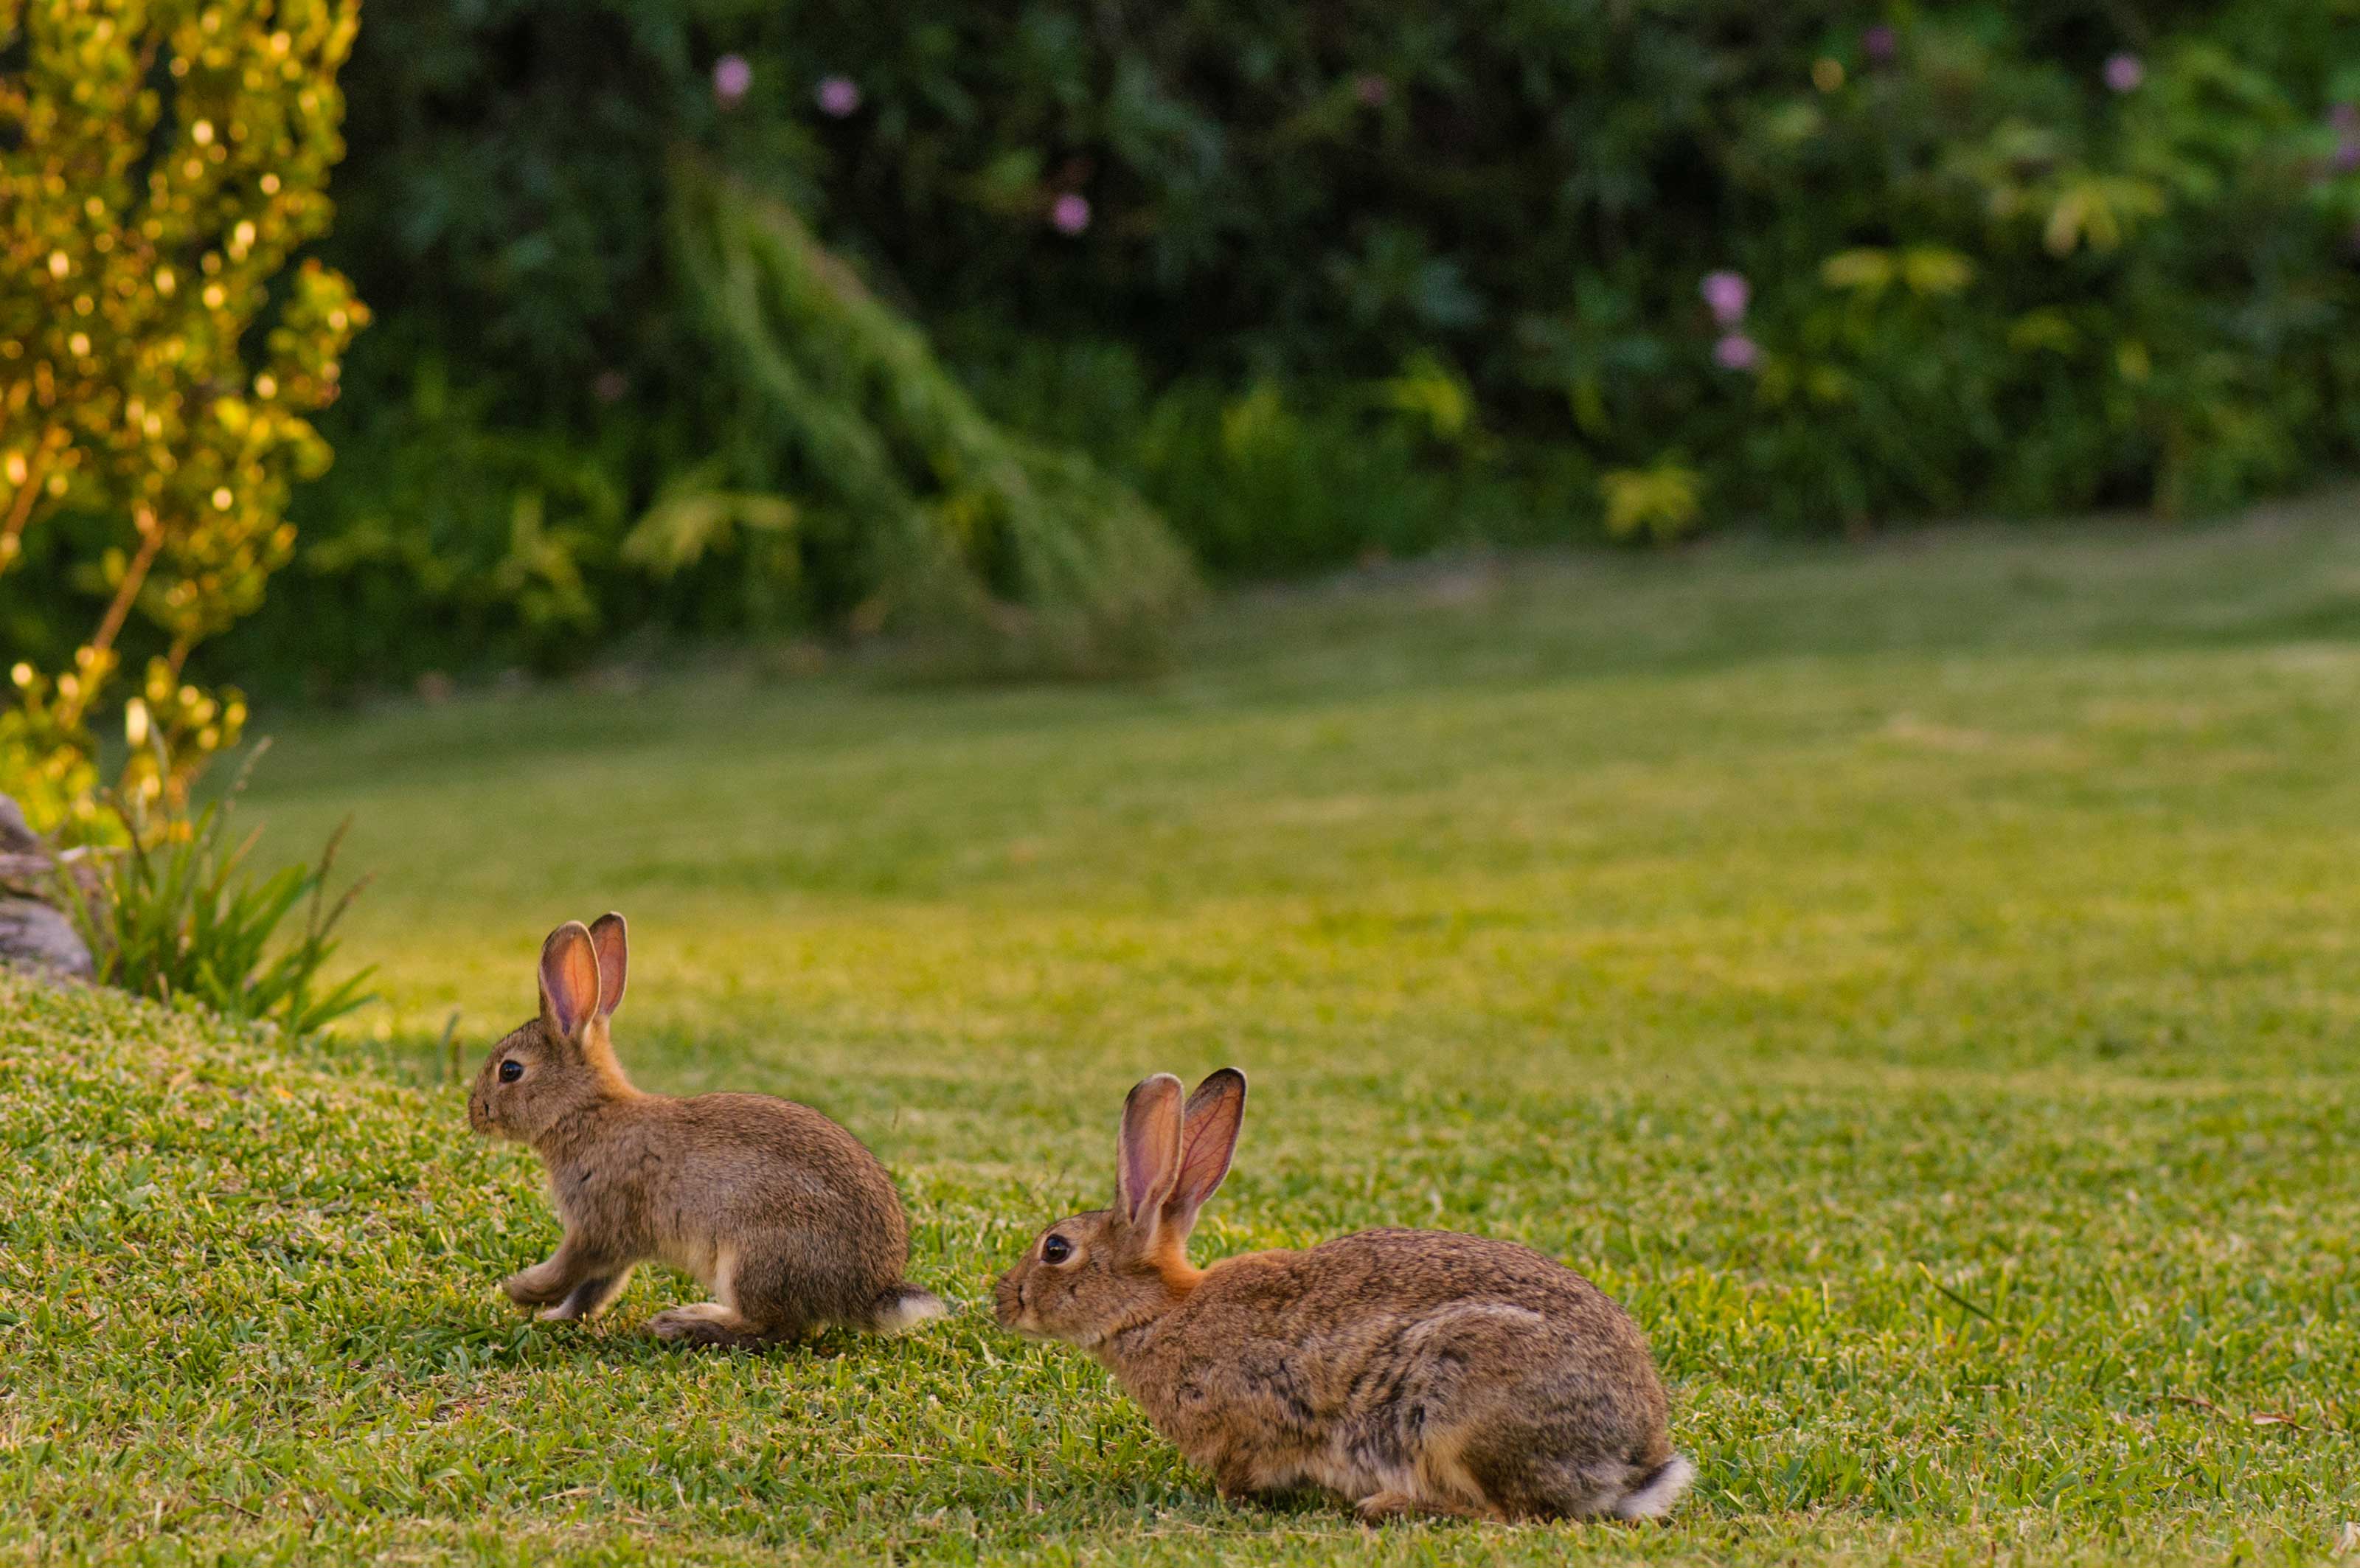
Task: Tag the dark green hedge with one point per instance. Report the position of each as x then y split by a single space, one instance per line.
1326 277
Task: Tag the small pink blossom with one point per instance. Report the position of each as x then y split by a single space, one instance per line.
1727 294
837 96
1736 351
731 77
2124 72
2346 119
1373 90
610 386
1879 43
1070 214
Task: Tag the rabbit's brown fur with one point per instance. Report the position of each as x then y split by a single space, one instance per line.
1407 1371
785 1218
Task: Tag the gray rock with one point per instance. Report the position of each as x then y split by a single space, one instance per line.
32 932
23 856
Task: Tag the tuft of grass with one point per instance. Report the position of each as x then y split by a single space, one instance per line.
1923 983
175 914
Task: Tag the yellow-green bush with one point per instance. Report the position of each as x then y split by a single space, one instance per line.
160 161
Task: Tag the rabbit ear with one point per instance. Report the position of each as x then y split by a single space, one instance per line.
569 980
1147 1151
1208 1136
611 936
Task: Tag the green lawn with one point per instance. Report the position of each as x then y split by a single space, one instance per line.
1922 981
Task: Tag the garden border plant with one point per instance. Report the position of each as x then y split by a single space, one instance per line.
161 161
160 164
174 913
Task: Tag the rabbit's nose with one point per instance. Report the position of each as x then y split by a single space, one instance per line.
1008 1300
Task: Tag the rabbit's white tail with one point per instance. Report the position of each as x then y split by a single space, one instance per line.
904 1306
1653 1497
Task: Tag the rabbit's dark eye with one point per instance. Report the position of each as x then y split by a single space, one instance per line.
1056 1249
510 1070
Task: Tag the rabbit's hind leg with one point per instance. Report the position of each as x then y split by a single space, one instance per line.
1391 1505
710 1324
1541 1469
730 1320
1524 1434
1438 1481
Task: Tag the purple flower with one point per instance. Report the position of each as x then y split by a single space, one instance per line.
1736 351
1879 43
837 96
2346 119
1373 90
731 77
1070 214
610 386
2124 72
1726 293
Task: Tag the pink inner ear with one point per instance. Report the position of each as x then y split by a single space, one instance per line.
614 960
569 979
1150 1145
1210 1140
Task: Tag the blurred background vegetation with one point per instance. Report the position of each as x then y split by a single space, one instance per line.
1011 322
1319 280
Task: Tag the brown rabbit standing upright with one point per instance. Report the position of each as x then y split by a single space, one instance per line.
781 1215
1408 1370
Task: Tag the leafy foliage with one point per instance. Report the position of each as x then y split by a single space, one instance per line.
2016 258
2052 256
160 163
175 914
1021 546
1659 503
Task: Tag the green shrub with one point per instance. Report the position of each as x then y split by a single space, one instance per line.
176 915
1017 549
2003 256
159 165
1277 475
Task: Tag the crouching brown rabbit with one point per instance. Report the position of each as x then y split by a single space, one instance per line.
1407 1371
784 1217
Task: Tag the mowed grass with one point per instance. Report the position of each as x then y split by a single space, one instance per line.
1922 983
